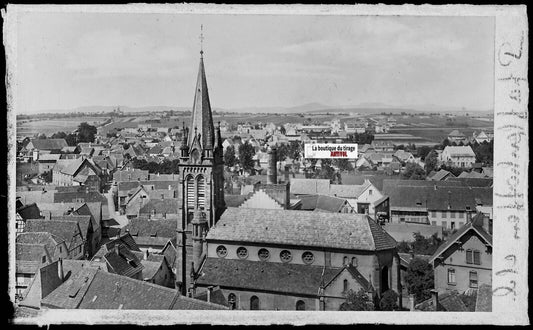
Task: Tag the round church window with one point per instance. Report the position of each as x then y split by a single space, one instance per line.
222 251
308 257
242 252
285 256
263 254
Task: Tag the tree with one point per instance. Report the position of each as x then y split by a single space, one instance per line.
423 151
282 152
357 301
327 171
344 164
414 171
426 246
389 301
430 161
229 156
246 154
295 150
71 139
59 135
41 137
419 279
86 132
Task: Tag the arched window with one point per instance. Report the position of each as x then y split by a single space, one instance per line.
354 261
254 303
345 261
200 190
345 285
191 201
300 305
232 300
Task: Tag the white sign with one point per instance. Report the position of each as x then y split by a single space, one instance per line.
330 150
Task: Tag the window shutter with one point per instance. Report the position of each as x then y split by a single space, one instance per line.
477 257
468 256
201 192
190 193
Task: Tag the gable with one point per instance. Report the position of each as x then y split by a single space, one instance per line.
261 200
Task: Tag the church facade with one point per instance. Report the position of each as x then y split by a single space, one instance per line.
269 259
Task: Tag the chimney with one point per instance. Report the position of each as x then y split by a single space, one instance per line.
272 174
162 196
145 255
60 269
209 292
435 298
116 249
287 169
412 302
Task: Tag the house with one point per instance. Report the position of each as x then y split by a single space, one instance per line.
482 137
441 175
67 230
404 156
323 203
37 147
77 172
160 208
152 235
456 136
33 250
464 261
461 156
47 162
70 284
120 260
25 212
289 260
156 269
382 146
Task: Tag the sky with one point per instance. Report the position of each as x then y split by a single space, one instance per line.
68 60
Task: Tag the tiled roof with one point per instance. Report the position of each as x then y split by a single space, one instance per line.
49 240
124 263
310 186
29 211
36 196
150 268
125 186
165 206
27 266
70 293
459 151
441 174
348 191
435 195
322 203
484 298
82 220
64 229
160 228
267 276
49 144
456 133
29 251
234 200
447 301
124 239
216 297
302 228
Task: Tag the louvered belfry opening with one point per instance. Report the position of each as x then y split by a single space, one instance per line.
191 198
200 189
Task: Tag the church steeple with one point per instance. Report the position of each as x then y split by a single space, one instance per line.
202 118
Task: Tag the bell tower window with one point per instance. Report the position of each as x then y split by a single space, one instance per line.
191 200
200 189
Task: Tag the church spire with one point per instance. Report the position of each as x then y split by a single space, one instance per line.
202 117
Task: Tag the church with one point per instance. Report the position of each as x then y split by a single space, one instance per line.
269 259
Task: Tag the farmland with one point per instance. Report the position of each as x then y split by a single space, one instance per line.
51 126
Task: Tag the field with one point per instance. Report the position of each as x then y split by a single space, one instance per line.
51 126
437 135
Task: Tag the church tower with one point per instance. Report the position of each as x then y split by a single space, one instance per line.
201 170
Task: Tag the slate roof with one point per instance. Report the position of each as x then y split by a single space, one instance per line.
301 228
266 276
475 224
49 144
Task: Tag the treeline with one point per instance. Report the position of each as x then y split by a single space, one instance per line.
84 133
165 167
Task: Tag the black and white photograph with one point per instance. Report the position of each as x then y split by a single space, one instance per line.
246 160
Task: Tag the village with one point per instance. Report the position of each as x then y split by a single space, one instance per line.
110 208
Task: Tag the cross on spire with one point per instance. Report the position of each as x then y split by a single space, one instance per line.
201 39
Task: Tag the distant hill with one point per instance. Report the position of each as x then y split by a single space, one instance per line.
364 108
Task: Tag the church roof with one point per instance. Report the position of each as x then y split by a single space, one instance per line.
301 228
265 276
202 118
